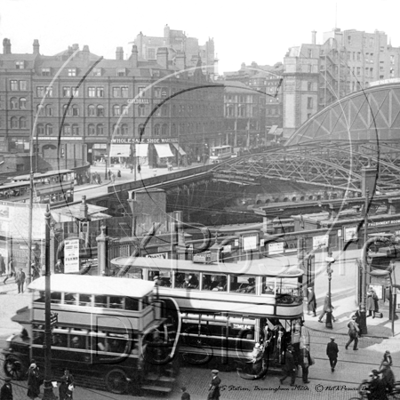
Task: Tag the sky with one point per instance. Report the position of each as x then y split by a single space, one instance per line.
243 31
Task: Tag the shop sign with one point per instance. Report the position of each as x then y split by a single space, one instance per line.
102 146
350 233
249 243
49 138
164 256
320 241
144 140
275 248
203 258
387 222
71 255
139 101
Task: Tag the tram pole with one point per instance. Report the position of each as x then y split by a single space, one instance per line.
48 387
329 261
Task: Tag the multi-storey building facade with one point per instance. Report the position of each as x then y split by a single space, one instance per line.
317 75
76 105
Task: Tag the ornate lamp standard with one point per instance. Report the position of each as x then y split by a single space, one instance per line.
329 261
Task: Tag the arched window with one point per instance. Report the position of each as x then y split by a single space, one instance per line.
75 110
40 130
164 92
22 103
91 110
99 130
173 129
141 130
116 111
164 130
124 110
22 122
156 131
75 130
173 110
49 110
65 110
100 111
116 129
141 110
14 123
66 131
124 129
49 129
14 103
91 130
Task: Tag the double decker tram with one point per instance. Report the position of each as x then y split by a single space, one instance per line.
228 309
54 187
111 333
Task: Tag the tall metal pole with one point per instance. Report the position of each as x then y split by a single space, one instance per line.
48 387
363 304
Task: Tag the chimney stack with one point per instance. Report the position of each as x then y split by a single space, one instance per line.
180 61
75 47
314 37
162 57
119 53
85 52
6 46
134 56
36 46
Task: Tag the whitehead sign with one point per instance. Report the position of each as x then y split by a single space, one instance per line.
71 255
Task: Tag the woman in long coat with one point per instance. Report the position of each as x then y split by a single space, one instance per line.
65 387
372 302
34 381
311 302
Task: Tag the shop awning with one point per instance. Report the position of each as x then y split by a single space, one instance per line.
163 150
179 148
273 129
120 150
141 149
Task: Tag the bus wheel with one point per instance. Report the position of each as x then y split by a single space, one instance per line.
116 381
14 368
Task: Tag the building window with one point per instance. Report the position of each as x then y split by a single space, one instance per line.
14 103
40 130
22 122
66 91
92 110
46 72
116 130
100 92
99 130
75 91
164 110
91 130
124 129
65 110
49 91
66 130
22 103
121 72
309 102
97 72
124 110
100 111
116 92
156 130
13 86
71 71
20 64
75 130
91 92
75 110
141 130
39 91
157 92
141 91
173 129
141 110
124 91
49 110
349 39
23 85
116 111
49 130
164 130
309 86
14 123
151 54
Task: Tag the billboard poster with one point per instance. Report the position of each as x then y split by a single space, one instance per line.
71 255
320 241
275 248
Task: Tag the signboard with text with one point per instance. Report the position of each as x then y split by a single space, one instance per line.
275 248
320 241
71 255
350 233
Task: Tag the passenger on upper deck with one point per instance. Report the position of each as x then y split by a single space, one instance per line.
191 282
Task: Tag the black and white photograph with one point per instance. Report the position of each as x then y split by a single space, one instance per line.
199 200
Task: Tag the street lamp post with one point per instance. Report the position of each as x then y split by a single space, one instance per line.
329 261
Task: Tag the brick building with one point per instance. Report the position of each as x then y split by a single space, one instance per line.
81 106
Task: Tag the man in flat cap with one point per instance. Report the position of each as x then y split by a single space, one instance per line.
289 369
332 351
213 391
6 390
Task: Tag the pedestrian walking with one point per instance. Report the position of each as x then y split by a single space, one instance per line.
372 302
213 390
67 386
387 376
311 302
119 173
332 351
34 381
289 369
305 362
109 174
353 333
185 394
387 357
2 265
6 390
327 307
20 280
11 270
256 358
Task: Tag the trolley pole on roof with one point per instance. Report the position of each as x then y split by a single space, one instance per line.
48 387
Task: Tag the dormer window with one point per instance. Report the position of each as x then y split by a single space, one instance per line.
121 72
71 71
20 64
97 72
46 72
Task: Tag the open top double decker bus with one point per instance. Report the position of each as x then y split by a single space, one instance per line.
110 333
227 308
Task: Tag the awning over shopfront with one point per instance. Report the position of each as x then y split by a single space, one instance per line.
163 150
120 150
179 148
141 149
